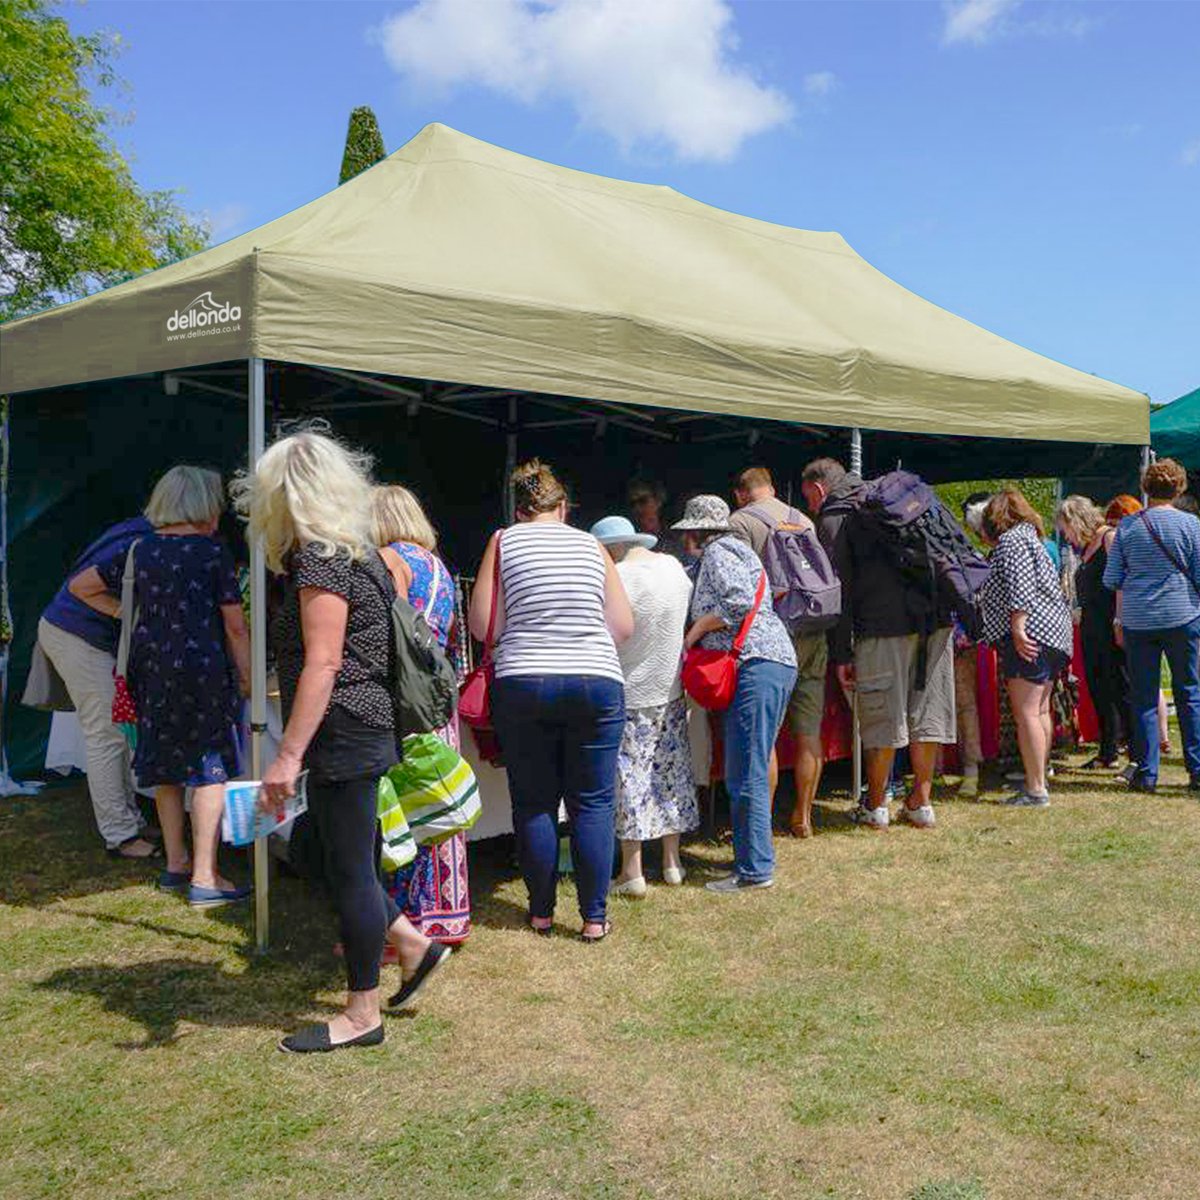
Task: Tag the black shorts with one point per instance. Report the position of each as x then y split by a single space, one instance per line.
1043 669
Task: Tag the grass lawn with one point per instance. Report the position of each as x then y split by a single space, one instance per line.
1006 1007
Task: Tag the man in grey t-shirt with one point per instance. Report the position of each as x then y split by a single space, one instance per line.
754 492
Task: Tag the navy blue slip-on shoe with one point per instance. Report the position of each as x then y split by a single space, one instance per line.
206 897
314 1039
173 881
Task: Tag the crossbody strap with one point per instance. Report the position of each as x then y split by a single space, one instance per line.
1166 550
127 583
744 632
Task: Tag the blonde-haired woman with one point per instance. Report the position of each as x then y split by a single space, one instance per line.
189 660
309 500
1083 525
559 695
432 889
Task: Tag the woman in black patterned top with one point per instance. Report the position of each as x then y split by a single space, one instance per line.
1025 616
309 500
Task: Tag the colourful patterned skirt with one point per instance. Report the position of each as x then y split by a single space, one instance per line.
432 891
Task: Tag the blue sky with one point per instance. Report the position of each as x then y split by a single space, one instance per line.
1033 167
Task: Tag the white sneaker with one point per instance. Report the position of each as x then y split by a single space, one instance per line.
674 875
629 887
921 818
871 818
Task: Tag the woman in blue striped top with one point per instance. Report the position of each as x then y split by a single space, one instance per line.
1155 564
558 699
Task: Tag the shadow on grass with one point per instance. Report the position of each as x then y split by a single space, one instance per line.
167 995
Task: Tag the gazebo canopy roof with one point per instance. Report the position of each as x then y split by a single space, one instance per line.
454 260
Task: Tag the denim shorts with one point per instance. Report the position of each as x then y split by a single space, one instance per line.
1043 669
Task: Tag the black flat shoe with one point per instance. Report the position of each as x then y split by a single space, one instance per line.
1099 764
592 938
314 1039
434 957
541 930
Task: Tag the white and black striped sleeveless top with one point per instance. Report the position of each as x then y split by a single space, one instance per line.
553 580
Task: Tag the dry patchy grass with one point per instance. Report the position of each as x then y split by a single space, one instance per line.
1003 1008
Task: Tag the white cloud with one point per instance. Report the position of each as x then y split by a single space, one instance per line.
978 22
1189 156
662 72
820 83
227 221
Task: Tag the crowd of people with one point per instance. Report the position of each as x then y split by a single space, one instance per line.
590 629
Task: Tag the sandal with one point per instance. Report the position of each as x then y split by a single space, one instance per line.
590 938
144 849
541 930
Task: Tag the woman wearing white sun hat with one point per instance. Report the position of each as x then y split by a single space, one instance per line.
726 593
656 794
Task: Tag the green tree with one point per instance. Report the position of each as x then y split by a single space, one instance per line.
364 144
72 217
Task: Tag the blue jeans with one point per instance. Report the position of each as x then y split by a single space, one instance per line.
752 724
560 735
1144 649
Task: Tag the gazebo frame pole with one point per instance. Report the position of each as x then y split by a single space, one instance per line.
258 656
510 461
1147 459
856 765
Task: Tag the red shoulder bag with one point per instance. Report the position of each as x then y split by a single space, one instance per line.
474 697
710 676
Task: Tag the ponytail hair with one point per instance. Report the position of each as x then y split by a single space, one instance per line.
536 489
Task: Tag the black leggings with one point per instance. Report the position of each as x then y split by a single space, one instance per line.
1108 682
344 814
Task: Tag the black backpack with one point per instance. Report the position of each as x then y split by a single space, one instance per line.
424 685
942 572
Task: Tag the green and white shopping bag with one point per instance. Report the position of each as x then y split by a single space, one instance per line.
429 796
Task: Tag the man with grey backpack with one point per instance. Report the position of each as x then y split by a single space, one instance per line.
807 598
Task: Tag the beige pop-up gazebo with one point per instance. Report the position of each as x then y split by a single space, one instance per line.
454 260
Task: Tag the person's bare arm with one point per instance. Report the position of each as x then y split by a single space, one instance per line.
481 595
323 617
237 638
701 626
618 613
1026 647
400 571
89 588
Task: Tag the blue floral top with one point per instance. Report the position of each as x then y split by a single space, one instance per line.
181 678
725 587
433 593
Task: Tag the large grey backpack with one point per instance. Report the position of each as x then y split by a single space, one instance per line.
804 586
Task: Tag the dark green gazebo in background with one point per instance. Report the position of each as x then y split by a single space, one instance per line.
1175 430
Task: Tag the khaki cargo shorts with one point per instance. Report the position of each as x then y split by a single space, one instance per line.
807 704
891 712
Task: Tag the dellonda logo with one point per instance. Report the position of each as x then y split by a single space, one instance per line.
202 313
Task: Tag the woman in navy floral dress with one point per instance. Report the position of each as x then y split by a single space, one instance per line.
432 890
189 660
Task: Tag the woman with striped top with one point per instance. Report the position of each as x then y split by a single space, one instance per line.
558 698
1155 564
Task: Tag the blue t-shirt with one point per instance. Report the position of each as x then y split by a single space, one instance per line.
1155 594
72 615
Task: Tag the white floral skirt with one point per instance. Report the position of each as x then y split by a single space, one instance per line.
656 794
